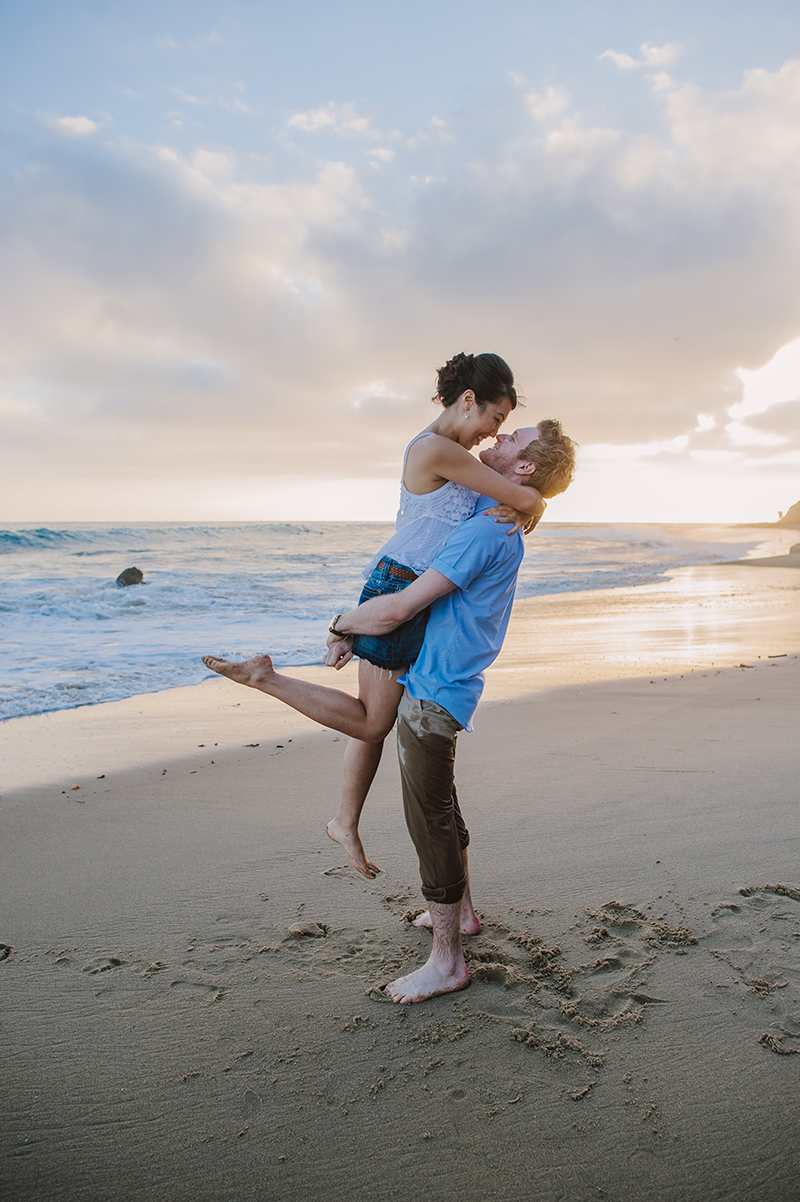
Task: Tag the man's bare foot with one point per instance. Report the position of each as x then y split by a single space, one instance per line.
256 672
470 923
429 981
350 840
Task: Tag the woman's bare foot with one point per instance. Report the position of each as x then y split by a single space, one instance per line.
429 981
470 923
256 672
350 840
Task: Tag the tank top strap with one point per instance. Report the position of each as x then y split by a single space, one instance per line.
416 438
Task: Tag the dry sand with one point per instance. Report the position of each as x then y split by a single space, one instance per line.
185 1004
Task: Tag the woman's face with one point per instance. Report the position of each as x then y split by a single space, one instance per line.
480 424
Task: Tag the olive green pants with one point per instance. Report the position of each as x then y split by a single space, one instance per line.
426 748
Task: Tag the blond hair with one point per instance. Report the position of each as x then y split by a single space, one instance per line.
553 452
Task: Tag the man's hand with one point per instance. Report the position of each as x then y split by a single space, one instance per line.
526 522
340 651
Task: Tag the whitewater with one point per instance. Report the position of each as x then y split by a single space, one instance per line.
70 636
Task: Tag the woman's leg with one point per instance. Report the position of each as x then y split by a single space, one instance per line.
378 690
329 707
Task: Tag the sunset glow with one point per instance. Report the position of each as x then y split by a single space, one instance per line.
240 240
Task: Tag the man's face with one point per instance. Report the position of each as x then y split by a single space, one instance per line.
504 455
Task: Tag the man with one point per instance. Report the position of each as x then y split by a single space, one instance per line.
470 588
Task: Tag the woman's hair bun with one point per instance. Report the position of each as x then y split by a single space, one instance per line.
489 377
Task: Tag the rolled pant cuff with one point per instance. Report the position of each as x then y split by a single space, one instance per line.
450 895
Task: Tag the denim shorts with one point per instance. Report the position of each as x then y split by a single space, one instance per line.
401 646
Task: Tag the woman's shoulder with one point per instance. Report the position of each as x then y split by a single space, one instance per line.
430 446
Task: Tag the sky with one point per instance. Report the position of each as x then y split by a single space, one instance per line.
238 239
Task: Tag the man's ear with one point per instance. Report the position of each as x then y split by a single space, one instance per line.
523 468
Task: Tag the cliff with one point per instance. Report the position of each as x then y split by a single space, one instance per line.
791 517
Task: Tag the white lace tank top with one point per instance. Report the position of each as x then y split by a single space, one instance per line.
424 520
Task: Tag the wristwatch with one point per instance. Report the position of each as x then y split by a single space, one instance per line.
332 629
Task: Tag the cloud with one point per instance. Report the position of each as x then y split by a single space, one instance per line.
338 119
745 436
196 42
229 104
381 154
206 310
750 136
628 452
547 104
660 56
623 61
652 56
73 127
773 384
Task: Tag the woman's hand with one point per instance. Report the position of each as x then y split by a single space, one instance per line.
526 522
340 651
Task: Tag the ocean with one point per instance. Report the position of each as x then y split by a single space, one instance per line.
70 636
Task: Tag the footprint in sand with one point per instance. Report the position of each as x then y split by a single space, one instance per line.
202 990
758 937
560 998
104 964
251 1102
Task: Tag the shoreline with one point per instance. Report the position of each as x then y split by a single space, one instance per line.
696 618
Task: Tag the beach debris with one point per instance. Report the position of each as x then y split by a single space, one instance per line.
556 1044
152 969
776 1043
409 915
102 776
763 987
5 951
250 744
74 787
130 576
377 993
308 930
664 934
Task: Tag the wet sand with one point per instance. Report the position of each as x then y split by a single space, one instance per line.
185 990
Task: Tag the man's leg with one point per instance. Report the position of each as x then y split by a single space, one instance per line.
445 970
426 741
470 923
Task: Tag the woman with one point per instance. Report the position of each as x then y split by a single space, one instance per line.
439 487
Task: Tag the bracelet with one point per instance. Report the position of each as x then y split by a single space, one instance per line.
340 633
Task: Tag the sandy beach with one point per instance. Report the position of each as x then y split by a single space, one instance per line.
186 956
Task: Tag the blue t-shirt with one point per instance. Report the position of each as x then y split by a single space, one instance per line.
467 626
